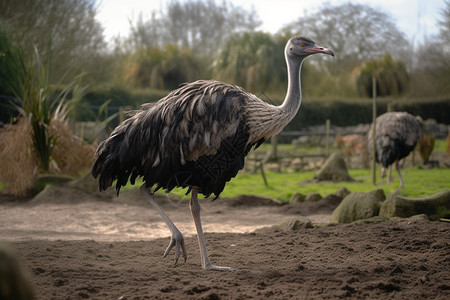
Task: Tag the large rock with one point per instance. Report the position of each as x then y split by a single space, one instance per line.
343 192
313 197
435 206
297 197
295 223
379 193
356 206
334 169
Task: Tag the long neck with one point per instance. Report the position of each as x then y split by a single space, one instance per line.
291 103
266 120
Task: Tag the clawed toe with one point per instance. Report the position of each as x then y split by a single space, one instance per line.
177 241
219 268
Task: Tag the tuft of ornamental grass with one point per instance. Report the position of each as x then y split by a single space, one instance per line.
70 155
18 161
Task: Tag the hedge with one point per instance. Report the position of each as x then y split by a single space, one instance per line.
345 113
312 112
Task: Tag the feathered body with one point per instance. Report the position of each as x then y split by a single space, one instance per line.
397 133
198 135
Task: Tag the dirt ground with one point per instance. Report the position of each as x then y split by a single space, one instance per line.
78 246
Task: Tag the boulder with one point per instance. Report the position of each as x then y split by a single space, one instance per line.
434 206
342 192
313 197
379 193
334 169
297 197
295 223
356 206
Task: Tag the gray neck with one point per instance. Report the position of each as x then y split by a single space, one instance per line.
291 103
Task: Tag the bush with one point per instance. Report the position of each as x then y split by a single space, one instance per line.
18 162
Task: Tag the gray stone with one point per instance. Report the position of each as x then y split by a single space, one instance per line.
334 169
356 206
343 192
295 223
434 206
420 217
297 197
379 193
313 197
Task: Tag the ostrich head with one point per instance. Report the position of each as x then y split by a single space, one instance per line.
302 46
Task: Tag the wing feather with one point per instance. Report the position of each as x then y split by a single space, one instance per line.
190 122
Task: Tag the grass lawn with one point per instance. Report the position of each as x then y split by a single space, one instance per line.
418 182
281 186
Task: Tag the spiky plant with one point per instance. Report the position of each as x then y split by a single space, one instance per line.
34 98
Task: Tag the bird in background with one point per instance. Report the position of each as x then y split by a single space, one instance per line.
397 134
197 138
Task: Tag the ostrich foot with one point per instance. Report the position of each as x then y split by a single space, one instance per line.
218 268
177 241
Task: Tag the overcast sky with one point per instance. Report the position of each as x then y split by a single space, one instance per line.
416 18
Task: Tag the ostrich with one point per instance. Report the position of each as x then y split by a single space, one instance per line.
197 137
397 133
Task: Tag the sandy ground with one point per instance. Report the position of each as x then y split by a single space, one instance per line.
78 246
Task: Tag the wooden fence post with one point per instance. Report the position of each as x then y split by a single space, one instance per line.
374 131
327 138
274 142
263 174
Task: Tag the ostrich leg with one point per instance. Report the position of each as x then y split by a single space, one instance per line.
383 172
195 211
397 167
177 238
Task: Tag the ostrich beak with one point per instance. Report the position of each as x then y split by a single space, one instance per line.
319 49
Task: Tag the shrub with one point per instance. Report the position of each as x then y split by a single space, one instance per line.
18 161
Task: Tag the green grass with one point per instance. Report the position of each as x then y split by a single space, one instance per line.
290 148
281 186
440 146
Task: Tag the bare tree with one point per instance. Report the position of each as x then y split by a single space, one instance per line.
356 33
444 33
432 69
200 26
65 29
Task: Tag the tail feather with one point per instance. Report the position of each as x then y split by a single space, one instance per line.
107 166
